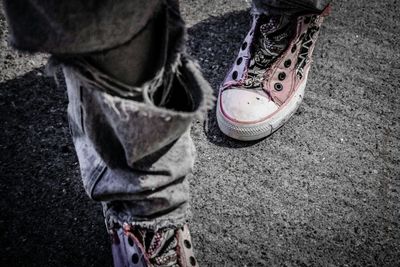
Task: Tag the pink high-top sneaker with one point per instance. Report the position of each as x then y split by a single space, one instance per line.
266 83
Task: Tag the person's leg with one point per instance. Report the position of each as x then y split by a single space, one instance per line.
130 109
266 83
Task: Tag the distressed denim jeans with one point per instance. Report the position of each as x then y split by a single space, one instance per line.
135 156
133 141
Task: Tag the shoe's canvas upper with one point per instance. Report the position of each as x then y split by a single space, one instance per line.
242 99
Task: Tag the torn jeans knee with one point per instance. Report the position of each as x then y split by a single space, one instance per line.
134 155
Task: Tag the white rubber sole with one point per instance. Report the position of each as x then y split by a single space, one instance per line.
251 132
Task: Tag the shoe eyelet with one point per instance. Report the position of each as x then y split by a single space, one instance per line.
192 261
239 61
281 76
135 258
234 75
244 45
187 244
130 241
278 87
294 47
287 63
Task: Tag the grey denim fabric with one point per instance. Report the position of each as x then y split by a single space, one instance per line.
75 26
134 156
133 142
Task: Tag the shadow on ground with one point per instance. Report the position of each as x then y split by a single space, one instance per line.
47 219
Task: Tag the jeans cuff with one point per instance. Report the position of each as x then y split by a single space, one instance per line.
175 219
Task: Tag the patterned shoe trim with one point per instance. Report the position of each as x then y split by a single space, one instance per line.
134 247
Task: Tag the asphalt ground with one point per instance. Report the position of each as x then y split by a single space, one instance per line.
322 191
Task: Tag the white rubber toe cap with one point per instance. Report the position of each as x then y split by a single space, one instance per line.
244 105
